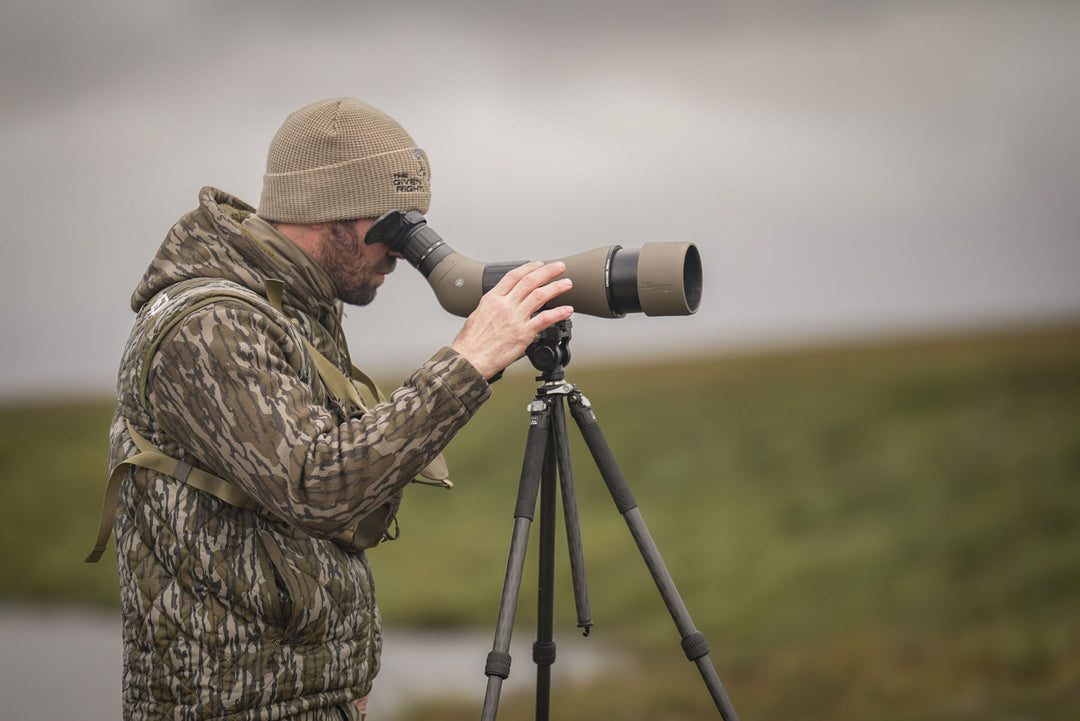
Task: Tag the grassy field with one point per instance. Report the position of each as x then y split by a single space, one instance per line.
882 532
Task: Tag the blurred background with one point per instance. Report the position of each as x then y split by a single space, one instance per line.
880 390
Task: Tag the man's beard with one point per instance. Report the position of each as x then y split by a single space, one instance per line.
343 260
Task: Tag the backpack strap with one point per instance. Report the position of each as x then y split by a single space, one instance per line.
344 387
365 534
151 458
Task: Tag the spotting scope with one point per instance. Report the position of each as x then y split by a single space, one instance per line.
608 282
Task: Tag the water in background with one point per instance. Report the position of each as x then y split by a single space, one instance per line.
65 664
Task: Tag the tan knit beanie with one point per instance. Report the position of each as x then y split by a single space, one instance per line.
341 159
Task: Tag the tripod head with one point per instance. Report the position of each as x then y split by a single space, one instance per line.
550 352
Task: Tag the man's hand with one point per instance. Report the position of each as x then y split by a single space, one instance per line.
503 325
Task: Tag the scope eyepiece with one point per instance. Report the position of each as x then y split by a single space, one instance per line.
409 235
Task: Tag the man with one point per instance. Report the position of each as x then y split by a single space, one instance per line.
249 476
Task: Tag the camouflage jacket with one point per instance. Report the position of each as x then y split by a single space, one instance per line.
245 614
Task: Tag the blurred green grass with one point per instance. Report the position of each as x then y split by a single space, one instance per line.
883 532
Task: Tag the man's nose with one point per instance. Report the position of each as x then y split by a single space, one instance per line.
386 249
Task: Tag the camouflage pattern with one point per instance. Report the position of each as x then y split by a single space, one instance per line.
241 614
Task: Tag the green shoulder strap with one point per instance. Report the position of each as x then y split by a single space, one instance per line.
151 458
336 382
365 534
437 472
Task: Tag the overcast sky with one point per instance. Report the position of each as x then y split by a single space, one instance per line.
892 168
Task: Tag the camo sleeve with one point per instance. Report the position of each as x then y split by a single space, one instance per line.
225 391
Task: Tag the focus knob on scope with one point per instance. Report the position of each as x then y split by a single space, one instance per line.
609 282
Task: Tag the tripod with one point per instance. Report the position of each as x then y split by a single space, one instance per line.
547 455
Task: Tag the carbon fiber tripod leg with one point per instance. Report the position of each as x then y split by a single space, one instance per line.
497 668
573 524
693 641
544 646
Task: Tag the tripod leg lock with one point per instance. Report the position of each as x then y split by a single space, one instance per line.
695 646
544 653
498 664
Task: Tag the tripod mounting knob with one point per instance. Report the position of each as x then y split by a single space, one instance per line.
550 351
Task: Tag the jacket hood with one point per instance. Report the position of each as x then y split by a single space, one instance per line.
210 242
